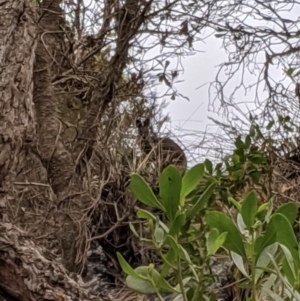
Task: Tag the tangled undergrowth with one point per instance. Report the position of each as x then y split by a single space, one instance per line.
106 223
258 232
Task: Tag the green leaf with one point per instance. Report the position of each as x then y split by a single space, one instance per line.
238 261
264 259
272 295
249 209
263 207
169 190
202 201
281 119
238 175
237 205
288 272
235 159
177 224
239 143
211 238
252 131
159 236
266 240
248 141
215 241
223 223
133 230
270 125
143 192
140 286
126 268
144 214
145 286
289 259
240 223
169 261
191 179
209 166
289 210
290 71
183 254
285 234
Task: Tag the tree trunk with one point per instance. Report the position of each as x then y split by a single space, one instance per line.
28 272
55 157
24 272
17 120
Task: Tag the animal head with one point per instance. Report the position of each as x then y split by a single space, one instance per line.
143 127
163 149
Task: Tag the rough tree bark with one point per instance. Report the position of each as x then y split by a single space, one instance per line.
24 272
55 157
29 273
29 122
17 121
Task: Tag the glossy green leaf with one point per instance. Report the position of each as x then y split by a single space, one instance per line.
169 190
223 223
143 192
191 179
249 209
202 201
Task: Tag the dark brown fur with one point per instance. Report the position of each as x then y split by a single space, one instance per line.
165 150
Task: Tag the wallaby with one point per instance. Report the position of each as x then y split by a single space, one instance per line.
164 150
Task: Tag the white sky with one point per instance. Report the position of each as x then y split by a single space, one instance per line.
200 70
188 118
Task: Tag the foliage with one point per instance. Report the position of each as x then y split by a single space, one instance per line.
261 242
179 241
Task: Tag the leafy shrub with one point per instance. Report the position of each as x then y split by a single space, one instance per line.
184 268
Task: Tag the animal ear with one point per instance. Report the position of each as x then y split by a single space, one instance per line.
138 123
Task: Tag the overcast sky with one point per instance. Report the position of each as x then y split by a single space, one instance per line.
189 118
